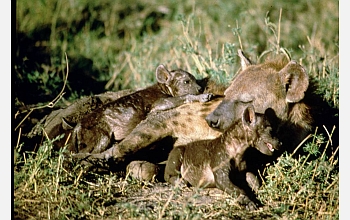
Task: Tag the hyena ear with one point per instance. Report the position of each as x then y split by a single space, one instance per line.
271 117
162 74
66 125
295 80
248 117
245 62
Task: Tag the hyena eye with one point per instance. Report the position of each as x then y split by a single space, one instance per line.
186 82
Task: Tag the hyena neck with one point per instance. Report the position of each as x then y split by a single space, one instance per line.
300 116
212 86
237 136
166 89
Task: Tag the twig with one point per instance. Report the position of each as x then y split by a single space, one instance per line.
177 184
329 136
301 143
19 137
50 104
17 146
31 110
239 37
286 53
279 30
333 155
334 182
66 142
161 214
115 74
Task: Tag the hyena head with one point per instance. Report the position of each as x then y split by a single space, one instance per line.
177 82
261 130
279 85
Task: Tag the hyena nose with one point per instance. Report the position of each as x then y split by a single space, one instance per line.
213 122
199 89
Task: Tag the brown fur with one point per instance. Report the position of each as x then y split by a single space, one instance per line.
142 170
170 123
278 85
52 124
59 121
113 121
221 162
144 134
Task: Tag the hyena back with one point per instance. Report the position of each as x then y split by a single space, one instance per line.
110 123
171 123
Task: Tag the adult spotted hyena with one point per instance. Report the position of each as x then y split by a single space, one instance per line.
221 162
96 131
280 85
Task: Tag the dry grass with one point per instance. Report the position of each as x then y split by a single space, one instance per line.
118 46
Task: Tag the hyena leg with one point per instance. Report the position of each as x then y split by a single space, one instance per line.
252 181
144 135
147 132
173 165
223 182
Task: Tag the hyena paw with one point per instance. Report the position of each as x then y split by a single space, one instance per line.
143 170
199 98
206 97
244 201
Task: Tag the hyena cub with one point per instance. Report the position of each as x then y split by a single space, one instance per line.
113 121
221 162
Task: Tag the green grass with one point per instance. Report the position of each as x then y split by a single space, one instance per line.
113 45
293 188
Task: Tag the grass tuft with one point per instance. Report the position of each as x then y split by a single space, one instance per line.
117 45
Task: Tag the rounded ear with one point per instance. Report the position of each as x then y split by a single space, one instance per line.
248 117
296 81
162 74
66 125
245 62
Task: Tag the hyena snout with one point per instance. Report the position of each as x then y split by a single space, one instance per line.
224 115
213 120
195 89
